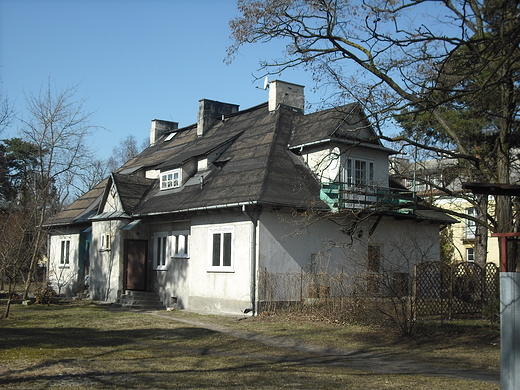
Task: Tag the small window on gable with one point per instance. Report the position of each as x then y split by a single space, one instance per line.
106 243
65 253
171 179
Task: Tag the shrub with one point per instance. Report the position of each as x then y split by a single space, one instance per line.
45 294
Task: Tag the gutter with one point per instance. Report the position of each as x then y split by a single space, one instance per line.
254 237
344 141
215 207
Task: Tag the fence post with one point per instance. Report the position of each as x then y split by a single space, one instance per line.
415 292
301 285
451 269
509 337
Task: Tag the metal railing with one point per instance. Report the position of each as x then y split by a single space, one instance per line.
344 196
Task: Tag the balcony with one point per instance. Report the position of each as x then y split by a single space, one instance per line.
376 198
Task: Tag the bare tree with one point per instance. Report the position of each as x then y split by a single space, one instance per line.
15 229
89 177
421 58
58 125
125 151
6 113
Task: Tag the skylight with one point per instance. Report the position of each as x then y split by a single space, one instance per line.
170 136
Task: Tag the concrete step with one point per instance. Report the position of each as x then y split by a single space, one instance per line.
141 299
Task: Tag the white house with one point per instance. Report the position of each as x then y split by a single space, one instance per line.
206 209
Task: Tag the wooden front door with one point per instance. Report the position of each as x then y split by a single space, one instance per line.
135 264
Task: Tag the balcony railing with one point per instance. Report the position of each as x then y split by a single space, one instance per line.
342 196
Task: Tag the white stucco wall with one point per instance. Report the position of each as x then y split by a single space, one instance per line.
191 281
64 278
106 270
288 245
220 291
325 163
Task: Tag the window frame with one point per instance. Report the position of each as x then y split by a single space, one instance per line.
226 236
170 183
359 172
470 255
175 240
64 254
470 230
106 242
161 251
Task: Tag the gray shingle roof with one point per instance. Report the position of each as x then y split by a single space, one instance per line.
80 210
344 124
256 167
252 163
131 190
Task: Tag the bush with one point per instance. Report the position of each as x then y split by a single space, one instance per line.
45 294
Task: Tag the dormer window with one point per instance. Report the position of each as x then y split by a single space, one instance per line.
171 179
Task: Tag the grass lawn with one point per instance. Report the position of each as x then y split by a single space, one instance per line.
91 346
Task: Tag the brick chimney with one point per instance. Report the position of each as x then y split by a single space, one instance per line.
289 94
159 127
209 110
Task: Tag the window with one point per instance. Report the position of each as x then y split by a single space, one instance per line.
180 243
160 250
471 225
105 242
65 253
470 254
171 179
359 173
221 243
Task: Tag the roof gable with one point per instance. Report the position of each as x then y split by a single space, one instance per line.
122 194
345 124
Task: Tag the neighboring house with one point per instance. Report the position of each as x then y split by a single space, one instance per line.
424 178
199 214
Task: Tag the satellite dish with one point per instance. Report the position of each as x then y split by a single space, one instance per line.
266 82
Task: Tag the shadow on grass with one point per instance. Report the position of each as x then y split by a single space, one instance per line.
82 337
46 347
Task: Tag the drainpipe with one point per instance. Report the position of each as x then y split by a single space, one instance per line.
254 221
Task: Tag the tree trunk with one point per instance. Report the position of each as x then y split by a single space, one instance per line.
481 232
35 254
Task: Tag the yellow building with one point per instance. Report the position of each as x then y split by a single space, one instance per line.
464 231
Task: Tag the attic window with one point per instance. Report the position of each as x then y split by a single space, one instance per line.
171 179
170 136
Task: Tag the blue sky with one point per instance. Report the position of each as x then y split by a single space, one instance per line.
134 60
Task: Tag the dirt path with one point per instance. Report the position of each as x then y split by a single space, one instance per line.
350 358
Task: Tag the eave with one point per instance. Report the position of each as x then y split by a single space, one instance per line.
365 145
